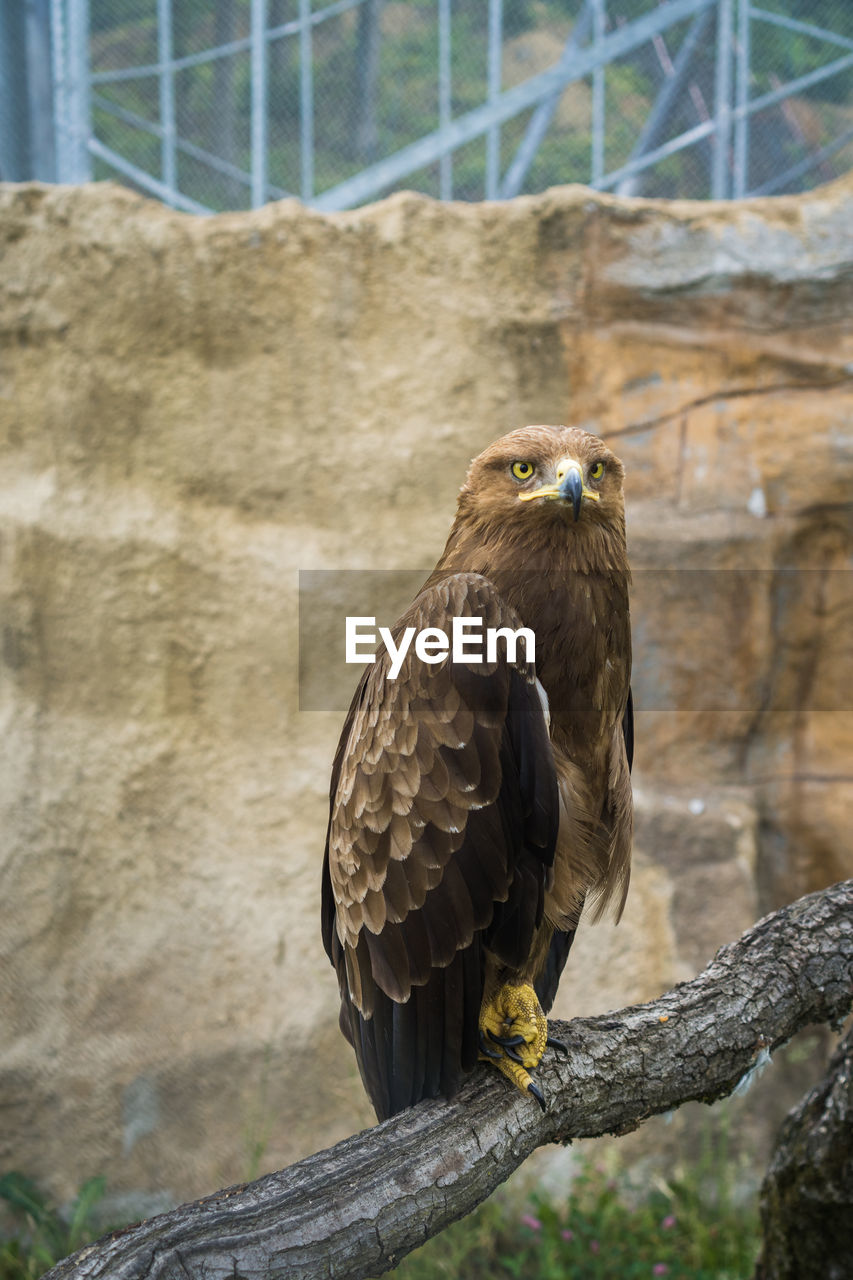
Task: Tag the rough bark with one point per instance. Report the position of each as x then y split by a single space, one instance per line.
807 1194
356 1209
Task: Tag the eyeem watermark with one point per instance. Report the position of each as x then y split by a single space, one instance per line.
734 650
432 644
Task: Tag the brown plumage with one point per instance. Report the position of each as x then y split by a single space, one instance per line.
473 814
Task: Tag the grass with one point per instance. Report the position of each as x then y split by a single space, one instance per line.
690 1226
40 1234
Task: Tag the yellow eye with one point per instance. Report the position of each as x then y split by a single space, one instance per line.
522 470
596 471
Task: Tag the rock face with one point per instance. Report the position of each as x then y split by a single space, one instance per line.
193 411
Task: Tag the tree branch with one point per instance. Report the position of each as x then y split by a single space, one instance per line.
356 1209
807 1194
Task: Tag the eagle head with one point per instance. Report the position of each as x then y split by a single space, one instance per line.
545 474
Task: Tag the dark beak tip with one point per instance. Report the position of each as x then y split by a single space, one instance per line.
571 490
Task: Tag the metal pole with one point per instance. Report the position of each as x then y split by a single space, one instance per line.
367 50
144 180
168 155
258 57
598 30
445 163
493 137
741 146
722 103
306 101
16 149
27 132
79 162
60 89
658 117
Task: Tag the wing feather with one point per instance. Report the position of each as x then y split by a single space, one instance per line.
443 823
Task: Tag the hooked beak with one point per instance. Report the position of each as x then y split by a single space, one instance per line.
569 486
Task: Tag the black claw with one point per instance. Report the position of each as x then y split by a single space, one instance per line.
484 1048
537 1093
551 1043
505 1041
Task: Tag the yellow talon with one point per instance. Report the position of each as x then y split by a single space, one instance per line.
512 1012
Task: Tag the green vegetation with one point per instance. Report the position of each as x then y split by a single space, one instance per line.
357 119
39 1234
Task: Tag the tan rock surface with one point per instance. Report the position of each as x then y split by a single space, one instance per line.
192 411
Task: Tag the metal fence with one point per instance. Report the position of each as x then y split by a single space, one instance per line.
215 104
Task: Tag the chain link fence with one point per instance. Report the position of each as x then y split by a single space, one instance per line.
225 104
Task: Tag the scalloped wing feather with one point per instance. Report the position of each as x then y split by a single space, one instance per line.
422 753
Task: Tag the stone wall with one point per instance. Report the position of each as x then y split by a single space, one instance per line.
191 411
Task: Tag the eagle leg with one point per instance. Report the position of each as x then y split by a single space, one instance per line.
513 1020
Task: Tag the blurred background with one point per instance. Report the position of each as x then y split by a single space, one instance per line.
225 104
196 410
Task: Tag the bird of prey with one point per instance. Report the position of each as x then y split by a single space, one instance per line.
476 805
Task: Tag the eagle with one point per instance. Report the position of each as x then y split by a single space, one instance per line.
479 800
